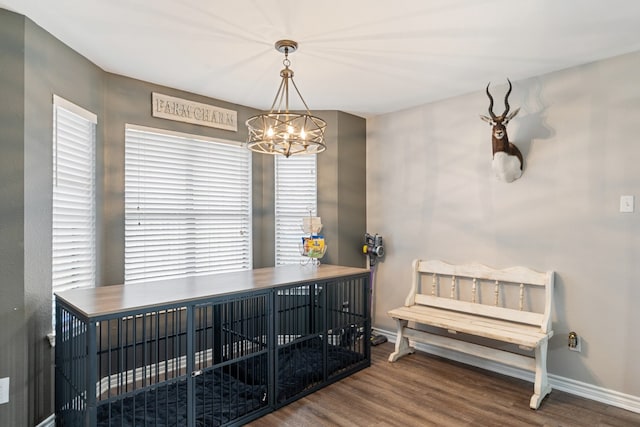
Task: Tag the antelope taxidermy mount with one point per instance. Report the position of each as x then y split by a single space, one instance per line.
507 159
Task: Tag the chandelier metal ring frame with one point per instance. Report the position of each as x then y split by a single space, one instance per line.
281 131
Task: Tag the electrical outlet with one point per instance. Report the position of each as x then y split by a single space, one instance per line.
4 390
575 342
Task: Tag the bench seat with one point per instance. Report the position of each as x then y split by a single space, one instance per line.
526 336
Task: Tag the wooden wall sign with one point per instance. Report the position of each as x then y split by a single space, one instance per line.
182 110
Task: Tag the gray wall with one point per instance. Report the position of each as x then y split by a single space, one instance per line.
432 194
34 66
352 185
341 192
50 68
128 101
341 189
12 286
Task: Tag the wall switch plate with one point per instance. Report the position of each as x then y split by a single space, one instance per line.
4 390
626 204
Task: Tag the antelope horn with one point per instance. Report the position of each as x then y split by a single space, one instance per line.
493 116
506 100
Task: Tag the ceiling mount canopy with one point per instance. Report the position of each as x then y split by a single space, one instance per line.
281 131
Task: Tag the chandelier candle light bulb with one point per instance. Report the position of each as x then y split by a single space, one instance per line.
283 132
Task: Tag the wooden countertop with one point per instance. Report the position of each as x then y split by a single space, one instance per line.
105 300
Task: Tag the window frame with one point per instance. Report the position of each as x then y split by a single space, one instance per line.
284 255
70 199
165 137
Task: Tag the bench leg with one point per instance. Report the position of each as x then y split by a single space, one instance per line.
402 343
541 386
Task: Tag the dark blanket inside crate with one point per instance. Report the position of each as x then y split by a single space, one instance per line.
219 399
300 366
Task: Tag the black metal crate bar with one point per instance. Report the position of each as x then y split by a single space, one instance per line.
71 360
348 327
142 367
323 335
231 365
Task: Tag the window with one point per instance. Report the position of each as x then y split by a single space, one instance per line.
73 225
295 198
187 205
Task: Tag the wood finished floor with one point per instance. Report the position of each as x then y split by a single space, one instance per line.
425 390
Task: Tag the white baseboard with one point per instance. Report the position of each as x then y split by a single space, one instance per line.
589 391
50 421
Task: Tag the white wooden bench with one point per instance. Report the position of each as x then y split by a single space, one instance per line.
510 306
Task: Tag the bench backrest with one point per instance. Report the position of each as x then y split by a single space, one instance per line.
516 294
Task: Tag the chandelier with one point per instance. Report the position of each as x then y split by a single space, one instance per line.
281 131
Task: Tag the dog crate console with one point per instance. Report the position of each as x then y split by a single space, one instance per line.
210 350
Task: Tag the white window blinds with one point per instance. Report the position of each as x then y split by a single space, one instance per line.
74 206
295 198
187 206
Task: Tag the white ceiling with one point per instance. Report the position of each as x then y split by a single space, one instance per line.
366 57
